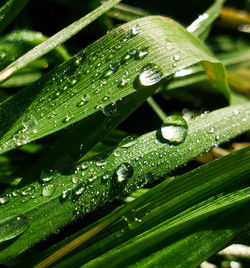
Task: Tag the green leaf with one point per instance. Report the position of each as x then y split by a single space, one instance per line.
9 11
174 206
86 83
62 198
208 238
55 40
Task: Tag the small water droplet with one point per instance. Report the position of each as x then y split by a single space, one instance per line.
110 109
78 190
150 75
174 129
48 190
74 180
65 194
4 199
127 142
47 176
68 118
211 130
106 175
217 137
125 80
124 171
135 30
142 53
176 57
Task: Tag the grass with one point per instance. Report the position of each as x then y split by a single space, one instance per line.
103 147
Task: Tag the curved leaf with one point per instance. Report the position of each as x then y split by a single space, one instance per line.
102 74
62 198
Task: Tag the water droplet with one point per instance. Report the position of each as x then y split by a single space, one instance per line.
26 191
217 137
78 190
135 30
150 75
110 109
128 56
74 180
108 73
47 176
65 194
106 175
101 164
84 166
48 190
142 53
127 142
124 171
13 227
29 122
125 80
68 118
176 57
174 129
211 130
4 199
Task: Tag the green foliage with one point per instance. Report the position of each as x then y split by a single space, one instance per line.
63 162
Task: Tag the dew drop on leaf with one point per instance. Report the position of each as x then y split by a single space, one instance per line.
13 227
110 109
4 199
65 194
48 190
135 30
127 142
174 129
78 190
142 53
150 75
47 176
124 171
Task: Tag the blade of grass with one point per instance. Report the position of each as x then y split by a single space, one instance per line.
55 40
163 202
9 11
211 236
60 200
79 88
201 26
129 252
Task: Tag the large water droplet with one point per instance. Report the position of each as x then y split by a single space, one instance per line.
150 75
124 171
174 129
110 109
47 176
13 227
